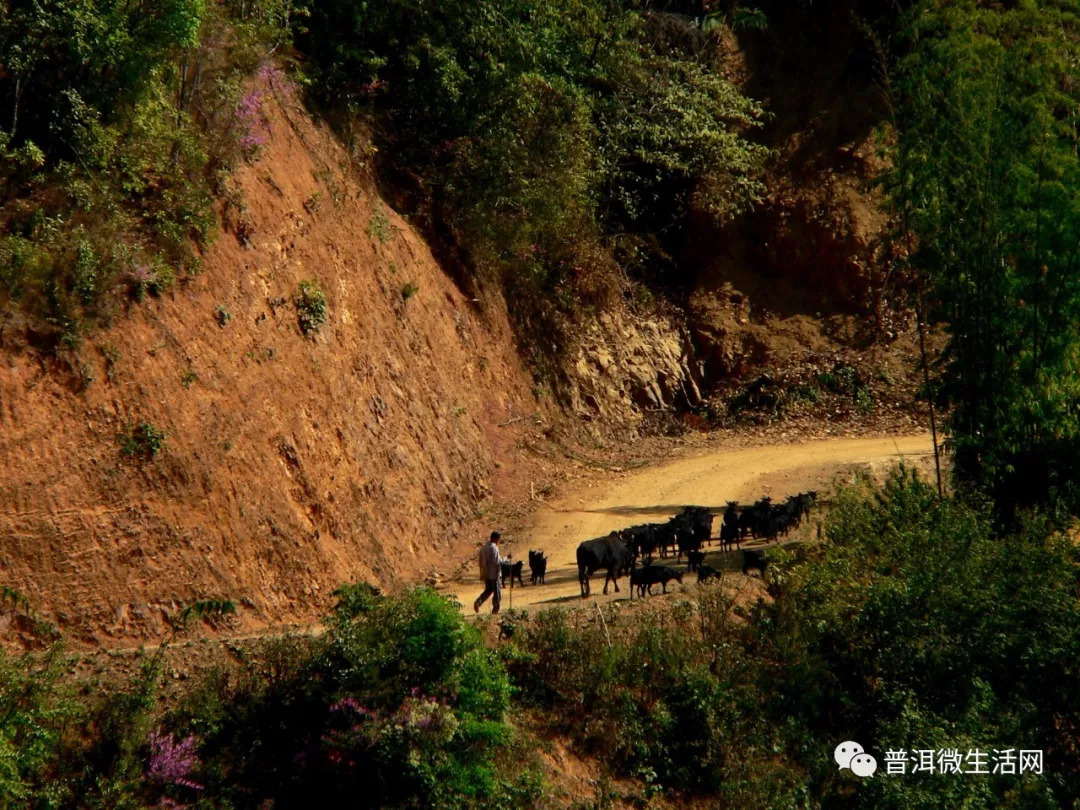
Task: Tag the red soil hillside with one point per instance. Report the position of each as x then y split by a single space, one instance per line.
292 463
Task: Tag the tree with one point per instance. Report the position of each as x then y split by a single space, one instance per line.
987 177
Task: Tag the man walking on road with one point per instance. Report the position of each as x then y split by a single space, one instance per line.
491 572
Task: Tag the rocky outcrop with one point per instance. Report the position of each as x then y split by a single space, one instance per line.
625 365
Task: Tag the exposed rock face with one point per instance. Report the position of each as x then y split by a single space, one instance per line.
625 365
814 250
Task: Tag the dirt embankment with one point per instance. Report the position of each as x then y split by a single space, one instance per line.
292 463
372 449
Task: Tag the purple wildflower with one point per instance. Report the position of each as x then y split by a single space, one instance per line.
172 762
372 87
252 123
351 703
273 78
425 721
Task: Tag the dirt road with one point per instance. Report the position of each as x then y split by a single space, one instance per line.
707 479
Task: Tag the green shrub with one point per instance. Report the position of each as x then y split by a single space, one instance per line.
909 627
35 707
379 226
119 123
399 702
982 95
144 439
310 305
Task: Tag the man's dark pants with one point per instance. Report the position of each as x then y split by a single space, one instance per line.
492 588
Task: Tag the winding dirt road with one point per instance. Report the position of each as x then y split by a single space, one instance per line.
707 479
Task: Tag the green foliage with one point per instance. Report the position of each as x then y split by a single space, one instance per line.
117 121
409 290
909 627
776 396
204 610
986 167
144 440
35 708
844 379
222 315
545 132
353 600
399 703
267 22
669 700
310 305
379 226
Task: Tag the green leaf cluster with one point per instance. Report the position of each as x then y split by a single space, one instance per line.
117 121
554 139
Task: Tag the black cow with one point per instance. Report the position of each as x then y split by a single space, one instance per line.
729 529
772 521
512 570
699 520
763 519
641 540
688 545
729 536
706 572
749 520
638 578
805 502
731 514
694 560
754 559
790 515
608 554
538 566
644 578
667 535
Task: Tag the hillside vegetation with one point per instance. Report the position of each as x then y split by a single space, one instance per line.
560 142
907 627
558 153
560 145
121 122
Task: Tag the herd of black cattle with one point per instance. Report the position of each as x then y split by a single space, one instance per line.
683 535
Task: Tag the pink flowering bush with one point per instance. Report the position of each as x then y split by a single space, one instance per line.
251 121
399 705
252 124
172 762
